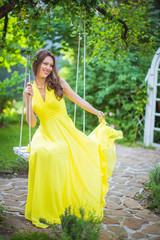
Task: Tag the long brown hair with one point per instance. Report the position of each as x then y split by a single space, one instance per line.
52 80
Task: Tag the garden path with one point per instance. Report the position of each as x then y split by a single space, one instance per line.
124 217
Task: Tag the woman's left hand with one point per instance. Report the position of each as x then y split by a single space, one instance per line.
101 116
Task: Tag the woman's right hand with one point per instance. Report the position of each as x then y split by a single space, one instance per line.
28 91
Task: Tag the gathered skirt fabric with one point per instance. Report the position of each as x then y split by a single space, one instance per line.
66 167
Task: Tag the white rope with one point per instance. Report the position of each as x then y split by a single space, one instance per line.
20 141
79 40
29 80
84 81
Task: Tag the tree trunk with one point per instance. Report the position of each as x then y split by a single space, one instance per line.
6 8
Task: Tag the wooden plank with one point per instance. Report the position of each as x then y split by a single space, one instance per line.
156 129
157 114
21 151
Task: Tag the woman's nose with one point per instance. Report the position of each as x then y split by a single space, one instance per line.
49 68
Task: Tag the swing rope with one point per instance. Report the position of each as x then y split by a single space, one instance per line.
79 42
84 81
21 130
21 151
20 141
84 78
29 80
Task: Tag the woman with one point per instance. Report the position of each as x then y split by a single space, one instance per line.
66 167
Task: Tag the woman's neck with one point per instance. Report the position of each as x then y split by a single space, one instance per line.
40 81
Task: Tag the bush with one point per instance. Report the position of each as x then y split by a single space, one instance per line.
10 88
76 228
11 113
18 166
154 186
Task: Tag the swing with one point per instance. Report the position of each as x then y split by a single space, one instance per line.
21 150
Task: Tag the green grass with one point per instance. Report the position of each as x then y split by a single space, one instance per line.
30 236
139 196
134 144
9 162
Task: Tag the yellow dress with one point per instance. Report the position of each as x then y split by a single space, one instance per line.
66 167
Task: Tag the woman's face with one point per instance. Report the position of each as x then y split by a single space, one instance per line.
46 67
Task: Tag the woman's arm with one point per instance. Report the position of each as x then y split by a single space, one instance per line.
29 91
69 93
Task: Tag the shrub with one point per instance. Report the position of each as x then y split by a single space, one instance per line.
11 113
9 88
155 175
76 228
14 166
154 186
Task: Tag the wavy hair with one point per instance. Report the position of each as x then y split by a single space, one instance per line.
52 80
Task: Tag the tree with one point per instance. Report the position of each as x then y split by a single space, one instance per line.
113 27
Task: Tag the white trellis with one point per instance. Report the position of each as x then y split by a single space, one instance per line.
152 115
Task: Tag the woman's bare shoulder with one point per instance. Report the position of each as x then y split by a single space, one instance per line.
63 83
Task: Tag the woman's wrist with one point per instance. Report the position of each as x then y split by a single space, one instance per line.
100 114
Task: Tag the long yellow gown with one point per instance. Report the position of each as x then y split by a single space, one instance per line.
66 167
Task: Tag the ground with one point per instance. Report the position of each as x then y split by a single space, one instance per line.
124 217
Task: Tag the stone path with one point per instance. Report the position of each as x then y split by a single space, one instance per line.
123 218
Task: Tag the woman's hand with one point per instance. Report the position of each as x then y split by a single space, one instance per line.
28 91
101 116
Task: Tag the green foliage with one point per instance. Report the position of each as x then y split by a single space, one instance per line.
11 113
78 228
1 237
10 109
139 196
107 33
154 186
119 88
15 42
12 166
30 236
155 175
9 88
58 21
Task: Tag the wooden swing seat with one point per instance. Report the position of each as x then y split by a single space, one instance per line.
21 151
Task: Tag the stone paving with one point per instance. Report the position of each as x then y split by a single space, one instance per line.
124 218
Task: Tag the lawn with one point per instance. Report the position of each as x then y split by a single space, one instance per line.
9 162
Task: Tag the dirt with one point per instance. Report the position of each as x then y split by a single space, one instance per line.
15 224
12 175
